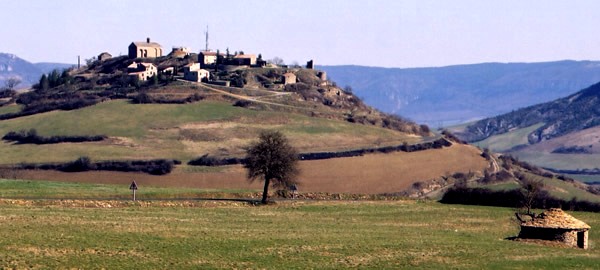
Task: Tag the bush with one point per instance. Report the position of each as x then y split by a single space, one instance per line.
145 98
155 167
242 103
31 137
513 198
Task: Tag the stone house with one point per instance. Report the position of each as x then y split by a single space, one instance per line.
207 58
556 225
244 60
180 52
145 49
104 56
289 78
143 71
193 72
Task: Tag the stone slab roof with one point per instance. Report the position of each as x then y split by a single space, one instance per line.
556 218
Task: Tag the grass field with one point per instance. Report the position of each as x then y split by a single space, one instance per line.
560 161
288 235
506 141
181 132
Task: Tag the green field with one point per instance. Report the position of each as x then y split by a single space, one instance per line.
145 131
506 141
41 234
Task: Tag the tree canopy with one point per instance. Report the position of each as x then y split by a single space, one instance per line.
273 160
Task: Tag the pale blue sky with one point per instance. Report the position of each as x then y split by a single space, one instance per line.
392 33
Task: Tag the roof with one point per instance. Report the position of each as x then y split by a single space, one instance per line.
208 53
289 74
146 44
105 53
556 218
245 56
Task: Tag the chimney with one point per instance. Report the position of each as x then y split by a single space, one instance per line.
147 40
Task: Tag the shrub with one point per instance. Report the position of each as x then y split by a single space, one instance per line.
513 198
156 167
31 137
242 103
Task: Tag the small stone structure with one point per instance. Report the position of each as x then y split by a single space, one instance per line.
104 56
556 225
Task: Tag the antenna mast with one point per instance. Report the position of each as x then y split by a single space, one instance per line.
206 38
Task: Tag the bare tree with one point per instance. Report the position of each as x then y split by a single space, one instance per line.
277 61
273 160
12 82
531 189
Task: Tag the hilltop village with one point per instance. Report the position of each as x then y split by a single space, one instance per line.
206 66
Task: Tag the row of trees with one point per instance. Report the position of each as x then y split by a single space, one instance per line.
54 79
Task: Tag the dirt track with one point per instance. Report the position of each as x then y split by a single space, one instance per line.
369 174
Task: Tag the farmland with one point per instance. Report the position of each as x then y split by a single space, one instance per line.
292 234
372 173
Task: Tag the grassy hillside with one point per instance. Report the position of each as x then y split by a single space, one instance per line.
181 131
291 235
506 141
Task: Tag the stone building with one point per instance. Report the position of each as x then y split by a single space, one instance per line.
143 71
193 72
289 78
145 49
207 58
244 60
180 52
104 56
556 225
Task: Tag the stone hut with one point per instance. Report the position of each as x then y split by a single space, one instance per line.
104 56
556 225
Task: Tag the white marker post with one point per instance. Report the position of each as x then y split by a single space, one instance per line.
133 188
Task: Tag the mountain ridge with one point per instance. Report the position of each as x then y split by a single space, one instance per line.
446 95
12 66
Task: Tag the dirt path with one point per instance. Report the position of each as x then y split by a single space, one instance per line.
248 98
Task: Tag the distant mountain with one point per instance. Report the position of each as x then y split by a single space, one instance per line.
454 94
29 73
559 117
48 67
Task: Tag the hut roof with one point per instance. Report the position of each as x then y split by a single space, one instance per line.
556 218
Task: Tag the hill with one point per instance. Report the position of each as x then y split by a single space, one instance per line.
11 66
561 135
169 118
102 118
560 117
455 94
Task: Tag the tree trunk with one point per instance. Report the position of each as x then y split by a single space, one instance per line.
265 191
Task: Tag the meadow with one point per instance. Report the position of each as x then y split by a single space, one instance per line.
184 132
405 234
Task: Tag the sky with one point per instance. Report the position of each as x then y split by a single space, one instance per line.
384 33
